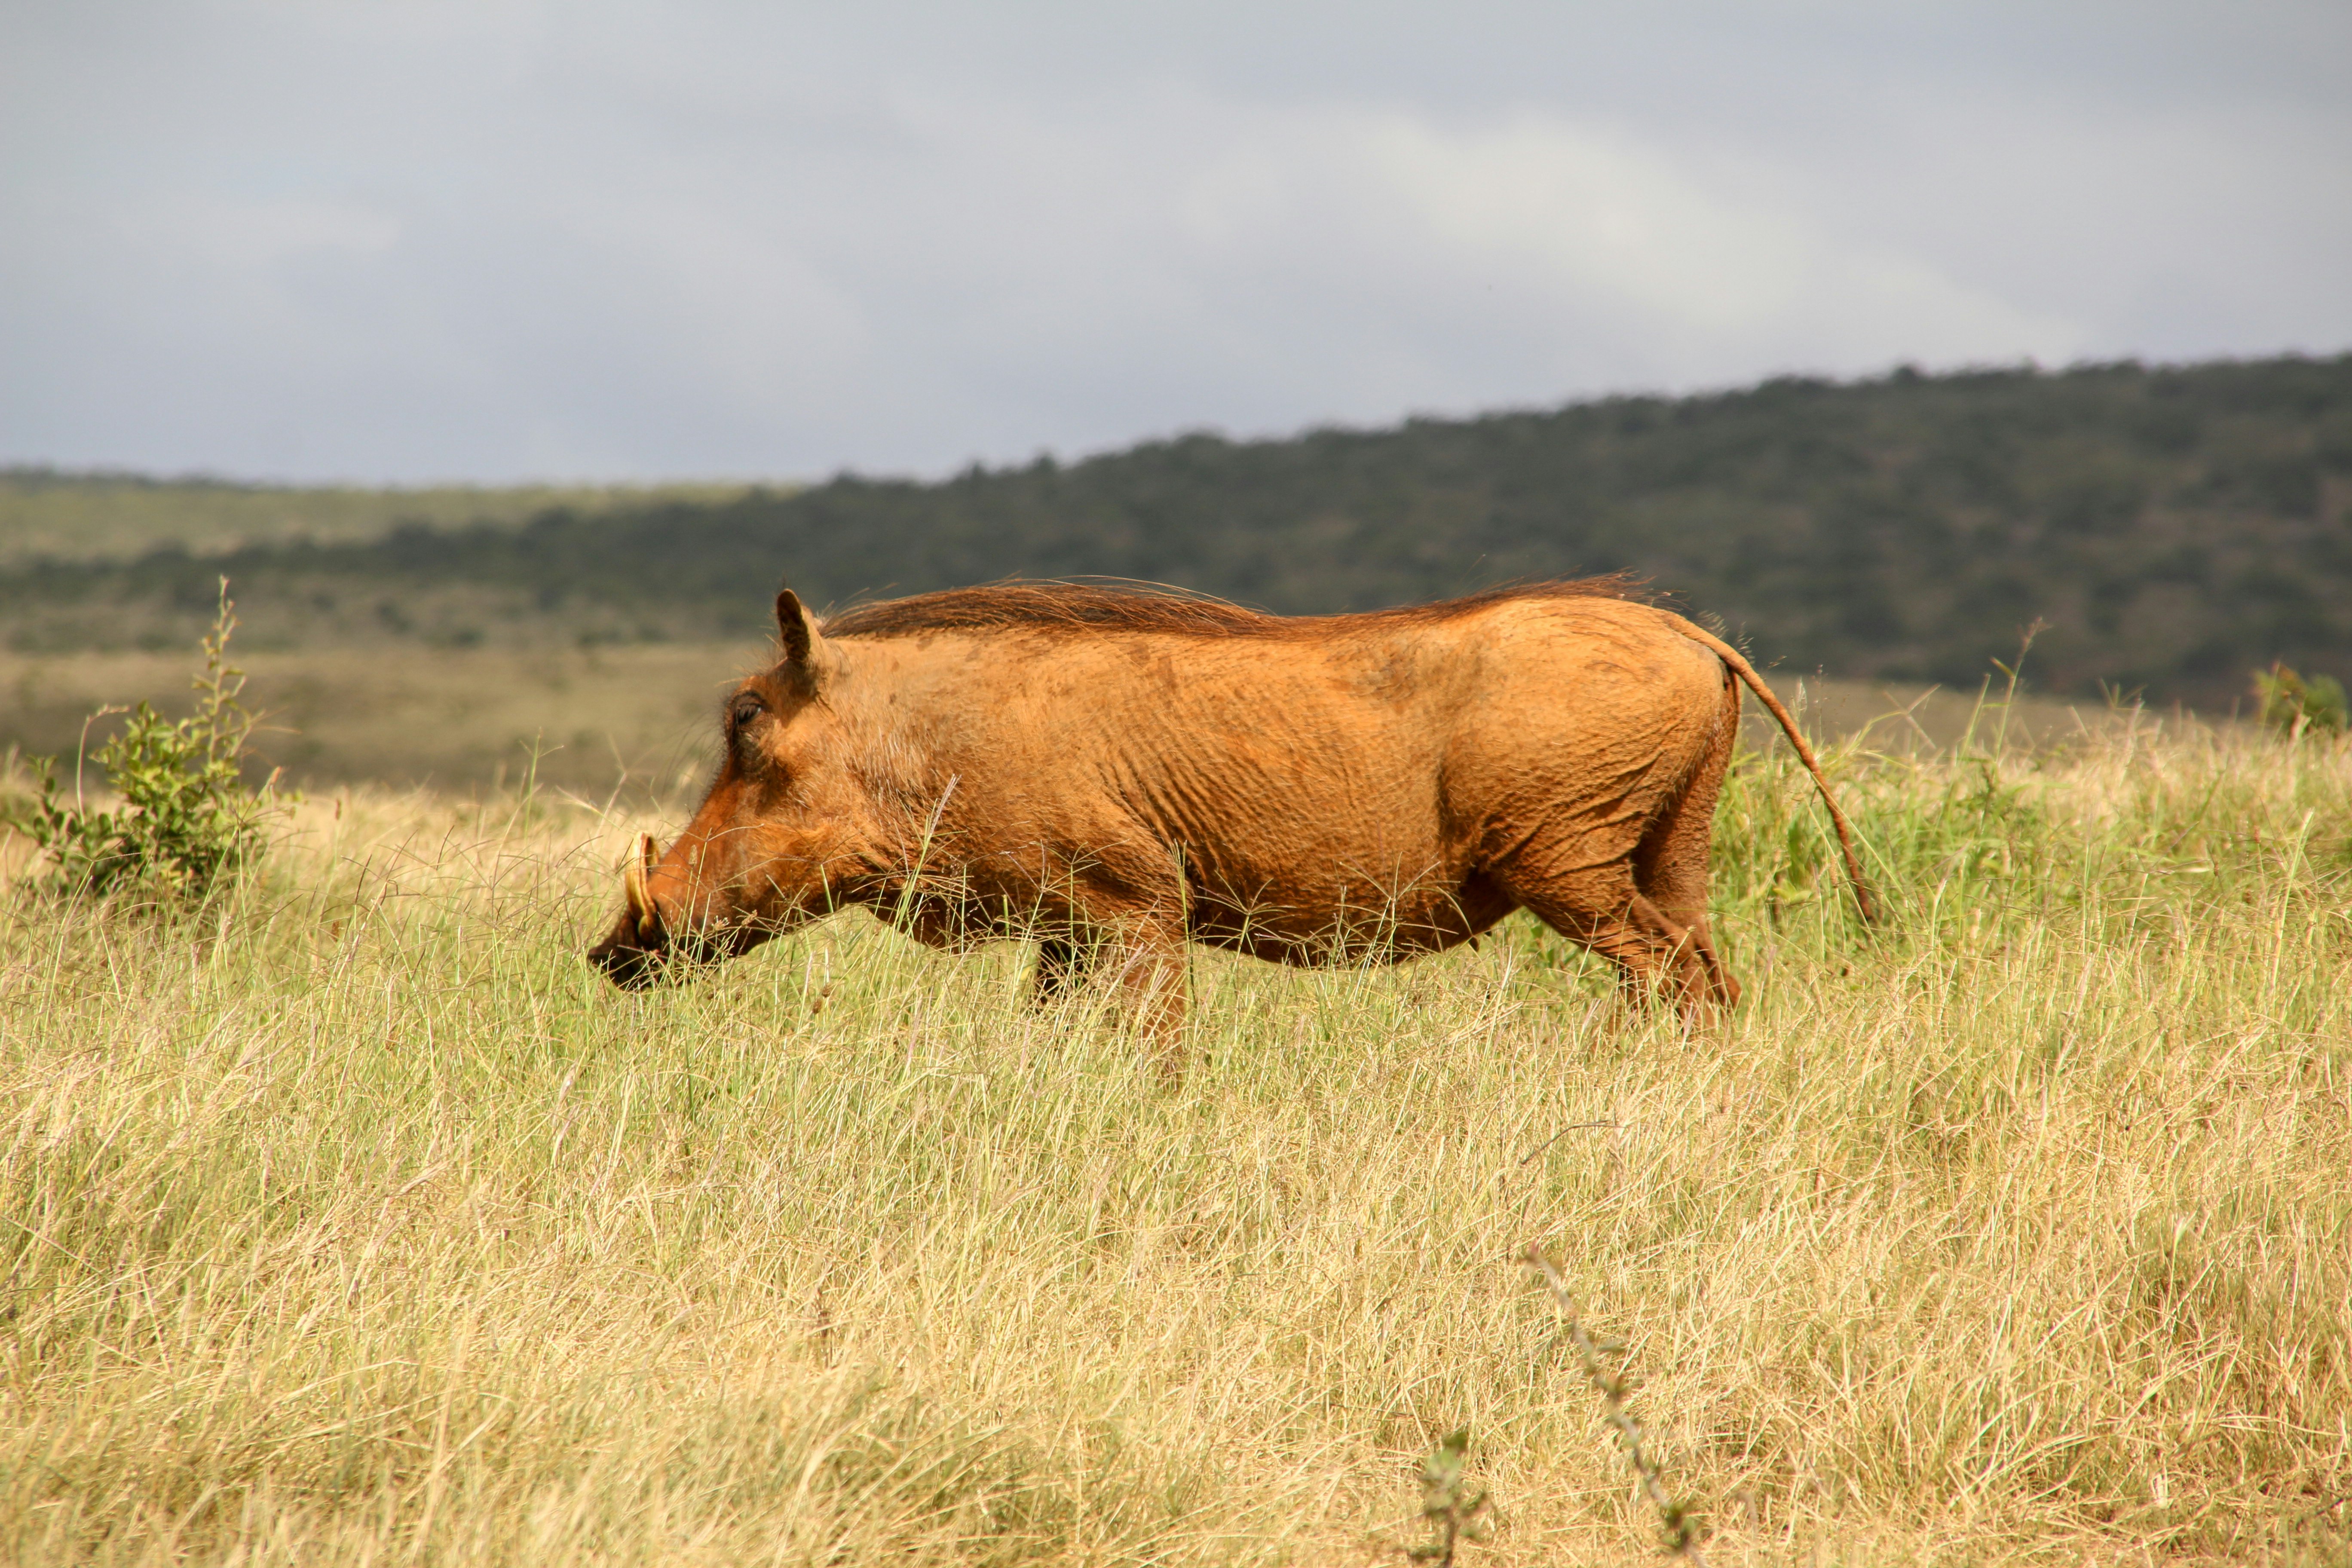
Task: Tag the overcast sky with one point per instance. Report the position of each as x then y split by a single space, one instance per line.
492 240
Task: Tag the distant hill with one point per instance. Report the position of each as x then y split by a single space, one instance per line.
2175 526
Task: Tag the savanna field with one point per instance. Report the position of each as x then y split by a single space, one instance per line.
352 1218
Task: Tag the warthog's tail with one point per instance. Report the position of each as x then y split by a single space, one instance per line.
1747 672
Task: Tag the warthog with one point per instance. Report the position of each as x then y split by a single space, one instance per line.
1116 772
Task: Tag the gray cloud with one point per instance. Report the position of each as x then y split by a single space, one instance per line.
501 238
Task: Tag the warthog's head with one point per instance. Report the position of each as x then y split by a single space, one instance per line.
777 841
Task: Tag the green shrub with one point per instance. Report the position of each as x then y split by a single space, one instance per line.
2297 703
187 818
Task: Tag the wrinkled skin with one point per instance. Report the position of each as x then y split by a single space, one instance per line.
1362 786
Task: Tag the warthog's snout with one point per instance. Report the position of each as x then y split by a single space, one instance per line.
633 955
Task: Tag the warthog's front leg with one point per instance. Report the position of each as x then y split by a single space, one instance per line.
1123 912
1144 960
1151 973
1062 961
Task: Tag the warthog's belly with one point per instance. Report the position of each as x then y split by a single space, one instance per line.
1353 922
1364 923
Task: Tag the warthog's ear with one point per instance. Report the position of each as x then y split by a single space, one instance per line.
795 630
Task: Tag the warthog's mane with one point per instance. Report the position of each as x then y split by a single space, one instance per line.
1079 608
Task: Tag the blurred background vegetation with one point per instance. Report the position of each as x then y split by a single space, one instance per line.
2174 529
45 514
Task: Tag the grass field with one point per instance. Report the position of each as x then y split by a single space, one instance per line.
86 517
353 1220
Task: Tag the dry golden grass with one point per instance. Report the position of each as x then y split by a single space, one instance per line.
357 1220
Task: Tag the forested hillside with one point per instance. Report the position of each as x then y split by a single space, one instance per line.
2175 528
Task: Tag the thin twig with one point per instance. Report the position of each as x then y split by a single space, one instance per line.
1682 1531
1571 1126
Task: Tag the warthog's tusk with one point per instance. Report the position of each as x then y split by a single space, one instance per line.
643 917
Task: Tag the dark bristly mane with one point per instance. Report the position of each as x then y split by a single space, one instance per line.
1075 608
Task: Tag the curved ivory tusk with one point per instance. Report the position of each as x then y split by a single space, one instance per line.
632 883
643 916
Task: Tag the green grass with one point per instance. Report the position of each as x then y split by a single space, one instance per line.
355 1220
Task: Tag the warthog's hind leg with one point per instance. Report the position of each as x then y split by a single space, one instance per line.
1656 958
1670 870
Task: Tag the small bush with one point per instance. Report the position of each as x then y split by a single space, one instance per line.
1455 1511
2297 703
187 818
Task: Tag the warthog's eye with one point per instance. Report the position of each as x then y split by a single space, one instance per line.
746 709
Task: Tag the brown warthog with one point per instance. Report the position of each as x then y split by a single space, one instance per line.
1116 773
